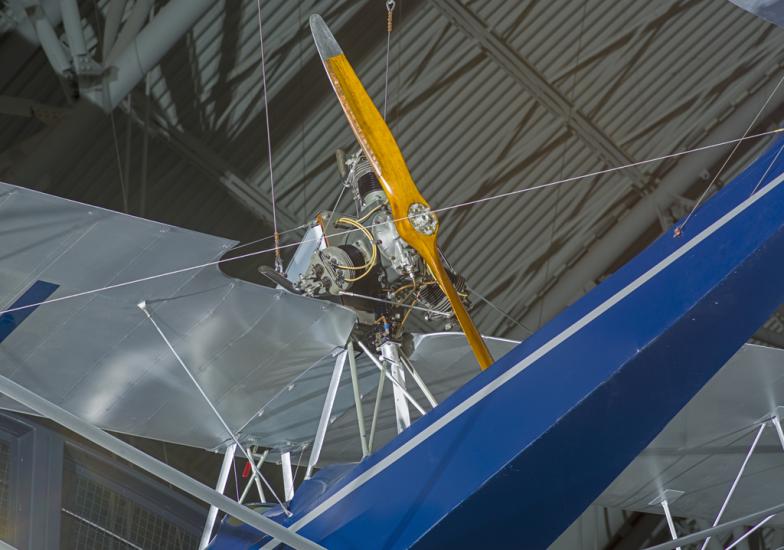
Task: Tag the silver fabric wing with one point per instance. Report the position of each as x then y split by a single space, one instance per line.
701 450
99 357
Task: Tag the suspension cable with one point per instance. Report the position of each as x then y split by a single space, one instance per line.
390 5
276 235
349 231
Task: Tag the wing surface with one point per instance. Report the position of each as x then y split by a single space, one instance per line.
701 450
99 357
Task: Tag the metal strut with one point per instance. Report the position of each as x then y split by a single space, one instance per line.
737 479
253 479
665 499
143 306
392 379
390 351
376 409
326 413
228 460
418 379
352 362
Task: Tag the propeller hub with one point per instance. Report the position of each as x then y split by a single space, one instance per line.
422 218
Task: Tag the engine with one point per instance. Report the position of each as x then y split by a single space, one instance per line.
365 264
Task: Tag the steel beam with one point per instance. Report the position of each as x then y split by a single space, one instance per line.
18 106
205 159
50 44
23 27
128 67
111 27
130 29
770 337
155 467
637 529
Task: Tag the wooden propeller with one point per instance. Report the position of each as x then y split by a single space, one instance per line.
415 222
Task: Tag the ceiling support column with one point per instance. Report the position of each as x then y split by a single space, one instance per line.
61 146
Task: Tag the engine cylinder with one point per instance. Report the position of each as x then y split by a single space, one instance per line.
434 298
367 184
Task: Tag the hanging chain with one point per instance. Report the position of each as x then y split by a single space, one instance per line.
390 8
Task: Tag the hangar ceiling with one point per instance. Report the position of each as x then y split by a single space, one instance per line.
485 98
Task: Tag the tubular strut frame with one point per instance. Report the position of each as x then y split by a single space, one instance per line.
254 478
762 516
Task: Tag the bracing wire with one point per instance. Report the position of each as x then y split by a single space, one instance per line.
679 228
268 237
499 310
767 170
553 225
482 200
218 415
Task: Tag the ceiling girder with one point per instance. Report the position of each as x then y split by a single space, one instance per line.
596 257
209 162
523 72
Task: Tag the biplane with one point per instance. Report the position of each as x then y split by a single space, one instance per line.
415 439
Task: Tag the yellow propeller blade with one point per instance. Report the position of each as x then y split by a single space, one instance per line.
414 220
